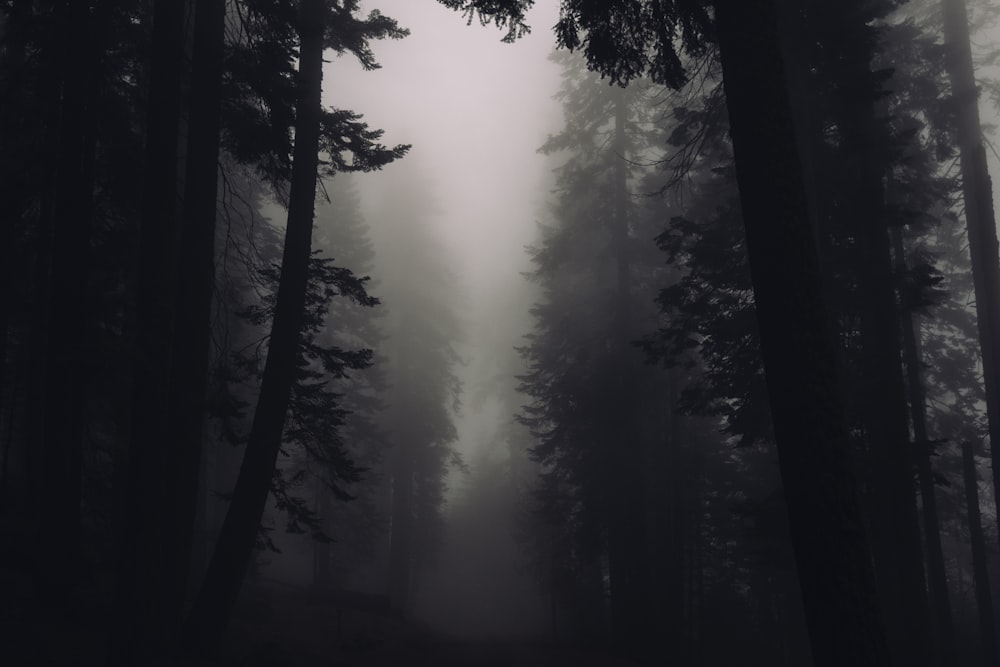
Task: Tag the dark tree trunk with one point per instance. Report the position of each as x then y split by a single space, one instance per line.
401 539
697 620
684 503
322 566
195 285
57 546
800 355
592 611
234 549
984 598
144 582
626 529
977 192
940 605
669 530
12 175
895 521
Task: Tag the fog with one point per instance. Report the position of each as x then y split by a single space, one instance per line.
475 110
675 347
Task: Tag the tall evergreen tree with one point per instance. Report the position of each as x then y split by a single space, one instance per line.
145 569
977 194
318 27
593 408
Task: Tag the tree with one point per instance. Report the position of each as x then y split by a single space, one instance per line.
72 57
618 489
186 409
355 527
720 454
984 600
856 211
422 330
977 194
141 588
800 367
318 27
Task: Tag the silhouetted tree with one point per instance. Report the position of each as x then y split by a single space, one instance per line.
318 27
984 601
977 194
594 409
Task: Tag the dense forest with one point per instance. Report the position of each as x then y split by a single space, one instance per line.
737 402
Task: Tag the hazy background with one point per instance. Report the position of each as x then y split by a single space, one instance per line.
475 111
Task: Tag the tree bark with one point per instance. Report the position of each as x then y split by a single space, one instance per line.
984 598
627 545
12 175
322 552
800 355
195 286
980 219
896 532
210 616
670 532
61 420
144 564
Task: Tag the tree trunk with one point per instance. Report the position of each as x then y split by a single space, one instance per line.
401 539
984 598
627 546
195 286
322 552
234 549
800 355
57 547
143 584
670 533
12 175
947 648
895 522
977 192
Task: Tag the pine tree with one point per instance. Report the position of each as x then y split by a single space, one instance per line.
592 405
977 194
318 27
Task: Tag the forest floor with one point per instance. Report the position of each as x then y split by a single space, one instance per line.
287 628
269 629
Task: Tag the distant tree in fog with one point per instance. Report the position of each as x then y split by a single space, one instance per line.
422 330
594 408
980 219
354 526
313 438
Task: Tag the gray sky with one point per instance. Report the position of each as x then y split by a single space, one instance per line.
475 110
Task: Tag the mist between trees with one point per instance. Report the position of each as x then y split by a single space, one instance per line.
740 409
